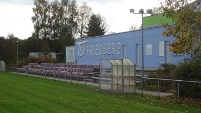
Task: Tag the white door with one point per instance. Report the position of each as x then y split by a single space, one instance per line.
167 53
137 54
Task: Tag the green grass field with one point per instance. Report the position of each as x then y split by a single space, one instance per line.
25 94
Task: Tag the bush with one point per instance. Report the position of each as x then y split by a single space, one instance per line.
42 60
165 72
39 60
189 71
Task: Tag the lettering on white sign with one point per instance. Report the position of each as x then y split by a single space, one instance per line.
98 49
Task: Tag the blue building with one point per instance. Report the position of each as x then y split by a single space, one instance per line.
129 45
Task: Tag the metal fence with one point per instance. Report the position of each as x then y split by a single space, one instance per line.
175 85
159 86
60 76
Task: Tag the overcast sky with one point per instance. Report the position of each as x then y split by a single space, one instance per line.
15 15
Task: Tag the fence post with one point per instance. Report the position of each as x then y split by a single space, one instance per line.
59 76
142 80
178 89
158 88
41 73
64 75
85 79
77 79
54 75
71 77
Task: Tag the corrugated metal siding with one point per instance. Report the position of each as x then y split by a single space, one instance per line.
111 47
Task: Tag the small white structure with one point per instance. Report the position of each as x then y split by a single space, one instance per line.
39 54
118 75
2 66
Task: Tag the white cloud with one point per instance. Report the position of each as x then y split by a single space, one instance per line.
16 19
15 15
117 14
19 2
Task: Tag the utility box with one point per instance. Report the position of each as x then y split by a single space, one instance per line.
2 66
70 54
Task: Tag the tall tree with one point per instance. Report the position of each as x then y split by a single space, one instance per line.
41 19
2 39
56 21
9 49
187 29
85 13
96 26
56 16
69 24
44 47
32 44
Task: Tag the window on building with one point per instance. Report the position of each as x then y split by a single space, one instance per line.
149 49
162 48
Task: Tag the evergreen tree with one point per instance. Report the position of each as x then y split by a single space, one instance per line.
96 26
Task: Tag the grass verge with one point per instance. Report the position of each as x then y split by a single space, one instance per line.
25 94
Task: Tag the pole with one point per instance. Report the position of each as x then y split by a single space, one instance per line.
178 89
141 11
122 75
142 53
17 53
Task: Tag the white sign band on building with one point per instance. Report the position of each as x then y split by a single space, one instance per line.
98 49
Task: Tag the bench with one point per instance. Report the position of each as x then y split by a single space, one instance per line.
96 79
88 80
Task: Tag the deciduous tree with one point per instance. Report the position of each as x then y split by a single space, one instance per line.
85 13
41 19
187 29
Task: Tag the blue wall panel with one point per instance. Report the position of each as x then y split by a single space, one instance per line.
91 50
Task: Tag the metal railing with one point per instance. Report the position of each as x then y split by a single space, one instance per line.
60 76
158 82
177 84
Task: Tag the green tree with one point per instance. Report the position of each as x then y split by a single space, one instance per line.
41 19
54 21
57 13
21 49
187 29
32 44
96 26
9 49
69 24
85 13
44 47
2 39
